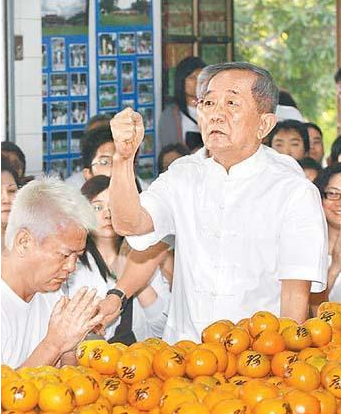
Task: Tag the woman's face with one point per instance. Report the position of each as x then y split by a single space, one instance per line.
191 84
8 191
332 207
100 205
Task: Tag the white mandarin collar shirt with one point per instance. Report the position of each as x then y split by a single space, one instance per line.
238 234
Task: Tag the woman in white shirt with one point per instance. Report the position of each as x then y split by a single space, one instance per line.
329 185
104 262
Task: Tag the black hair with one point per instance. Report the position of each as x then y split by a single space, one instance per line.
90 190
286 99
13 148
324 177
90 143
314 126
338 75
183 70
7 167
180 148
104 119
310 163
335 150
291 125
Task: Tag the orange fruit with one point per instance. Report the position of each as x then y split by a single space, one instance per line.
40 381
255 391
222 379
209 381
56 398
155 343
26 373
317 361
281 361
302 402
201 362
88 371
328 306
327 401
86 389
327 367
67 372
235 406
236 340
84 349
297 337
187 346
148 352
253 364
276 405
133 367
239 380
91 409
231 368
309 353
332 351
121 347
144 395
332 317
169 362
269 342
127 409
261 321
215 331
201 390
192 408
216 396
276 381
332 381
175 382
19 395
336 336
302 376
115 390
8 375
321 332
104 359
174 398
229 387
285 322
219 351
103 401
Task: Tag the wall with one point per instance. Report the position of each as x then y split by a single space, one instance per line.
28 81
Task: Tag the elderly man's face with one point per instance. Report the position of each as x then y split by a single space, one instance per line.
228 117
55 257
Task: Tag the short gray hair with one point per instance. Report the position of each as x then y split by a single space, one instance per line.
264 89
44 205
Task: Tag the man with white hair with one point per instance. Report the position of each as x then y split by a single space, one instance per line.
46 233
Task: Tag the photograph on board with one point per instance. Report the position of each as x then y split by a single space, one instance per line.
108 96
125 12
145 93
58 142
64 17
44 115
148 117
126 43
78 84
144 68
75 141
44 56
107 44
59 167
144 42
45 143
44 85
59 113
78 55
58 85
58 54
107 70
127 78
79 112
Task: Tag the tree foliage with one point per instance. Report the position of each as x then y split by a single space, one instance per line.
296 41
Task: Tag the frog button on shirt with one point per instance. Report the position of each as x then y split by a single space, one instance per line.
271 228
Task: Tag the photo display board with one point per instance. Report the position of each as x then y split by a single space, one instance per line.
124 75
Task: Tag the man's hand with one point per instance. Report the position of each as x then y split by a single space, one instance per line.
71 320
127 132
109 308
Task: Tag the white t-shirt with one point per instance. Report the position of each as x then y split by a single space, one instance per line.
146 322
238 235
23 324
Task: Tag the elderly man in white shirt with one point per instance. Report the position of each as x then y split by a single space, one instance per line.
249 229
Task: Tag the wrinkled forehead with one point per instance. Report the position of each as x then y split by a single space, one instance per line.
66 236
236 81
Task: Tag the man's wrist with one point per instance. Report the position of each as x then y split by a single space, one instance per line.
53 346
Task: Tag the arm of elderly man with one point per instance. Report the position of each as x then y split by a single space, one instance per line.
69 322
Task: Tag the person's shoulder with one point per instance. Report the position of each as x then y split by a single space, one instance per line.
195 159
283 165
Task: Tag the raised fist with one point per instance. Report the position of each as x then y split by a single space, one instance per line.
127 132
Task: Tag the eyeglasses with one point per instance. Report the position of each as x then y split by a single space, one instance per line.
332 196
103 161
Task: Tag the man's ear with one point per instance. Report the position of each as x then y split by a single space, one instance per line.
267 123
22 242
87 173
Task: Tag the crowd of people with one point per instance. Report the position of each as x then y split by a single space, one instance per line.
245 199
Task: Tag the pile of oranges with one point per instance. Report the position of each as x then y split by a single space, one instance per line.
263 364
